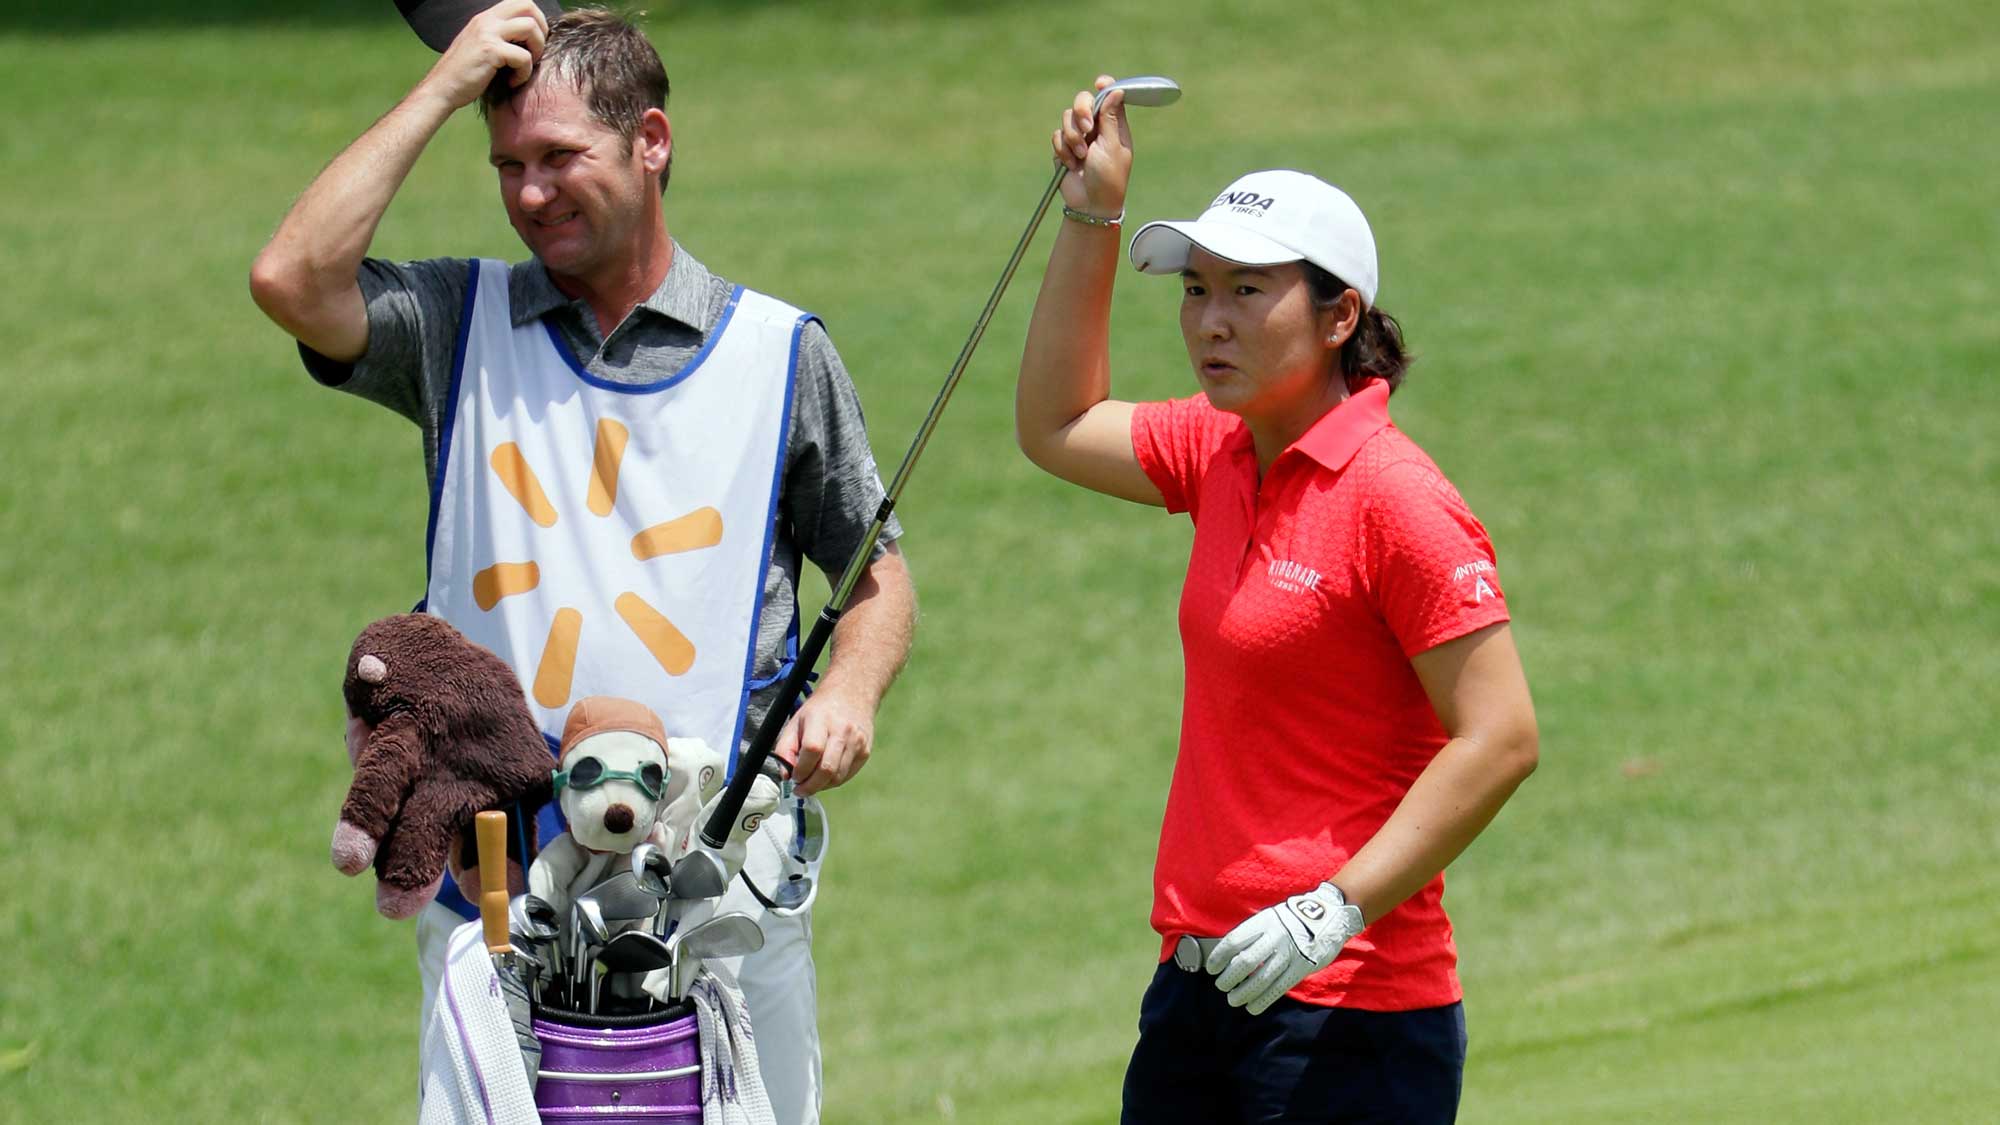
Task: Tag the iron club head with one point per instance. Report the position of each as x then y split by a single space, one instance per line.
590 920
635 951
624 898
725 935
699 874
1145 89
532 918
650 867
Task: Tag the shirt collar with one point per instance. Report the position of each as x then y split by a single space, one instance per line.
681 296
1339 434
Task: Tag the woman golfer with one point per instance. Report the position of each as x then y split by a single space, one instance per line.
1355 712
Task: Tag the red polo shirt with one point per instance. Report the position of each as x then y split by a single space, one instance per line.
1303 724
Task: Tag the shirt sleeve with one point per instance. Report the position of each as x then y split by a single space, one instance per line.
832 486
1427 559
414 309
1174 441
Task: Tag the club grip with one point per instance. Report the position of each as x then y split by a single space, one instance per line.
715 832
491 826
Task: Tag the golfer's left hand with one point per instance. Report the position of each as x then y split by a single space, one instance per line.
1279 946
829 739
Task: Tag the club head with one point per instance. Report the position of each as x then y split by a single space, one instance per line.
725 935
623 898
590 920
438 22
635 951
699 874
532 919
650 868
1146 90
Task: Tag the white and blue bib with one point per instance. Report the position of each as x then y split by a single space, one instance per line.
608 538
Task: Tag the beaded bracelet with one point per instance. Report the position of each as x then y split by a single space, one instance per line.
1090 220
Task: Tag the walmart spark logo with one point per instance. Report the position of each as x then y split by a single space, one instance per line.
692 532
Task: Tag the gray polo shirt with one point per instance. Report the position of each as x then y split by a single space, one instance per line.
831 487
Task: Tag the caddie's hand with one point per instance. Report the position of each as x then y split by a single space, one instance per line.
1097 150
507 36
1279 946
829 739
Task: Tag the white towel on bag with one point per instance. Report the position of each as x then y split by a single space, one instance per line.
472 1072
732 1088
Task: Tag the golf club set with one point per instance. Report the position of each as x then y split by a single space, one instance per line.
620 932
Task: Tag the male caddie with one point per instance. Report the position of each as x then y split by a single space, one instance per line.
628 456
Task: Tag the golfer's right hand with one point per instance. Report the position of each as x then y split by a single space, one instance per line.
507 36
1097 150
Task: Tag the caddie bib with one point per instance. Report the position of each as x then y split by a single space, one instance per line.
609 538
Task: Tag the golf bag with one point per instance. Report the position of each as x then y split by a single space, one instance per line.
644 1065
693 1060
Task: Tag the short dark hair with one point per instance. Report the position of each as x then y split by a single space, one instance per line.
1376 349
604 57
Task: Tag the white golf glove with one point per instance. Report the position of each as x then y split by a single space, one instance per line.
1281 945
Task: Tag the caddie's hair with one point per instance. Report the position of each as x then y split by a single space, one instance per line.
603 56
1375 350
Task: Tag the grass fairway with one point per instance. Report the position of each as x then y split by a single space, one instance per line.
1704 296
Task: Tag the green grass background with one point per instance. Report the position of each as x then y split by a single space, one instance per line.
1705 300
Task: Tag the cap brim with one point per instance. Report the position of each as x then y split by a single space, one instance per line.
1162 247
438 22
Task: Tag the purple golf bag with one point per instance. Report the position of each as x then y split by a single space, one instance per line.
644 1065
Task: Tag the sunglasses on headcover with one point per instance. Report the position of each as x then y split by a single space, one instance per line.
589 773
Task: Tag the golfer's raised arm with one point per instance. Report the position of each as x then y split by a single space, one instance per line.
1064 417
305 278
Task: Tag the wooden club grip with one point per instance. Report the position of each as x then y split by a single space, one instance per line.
492 829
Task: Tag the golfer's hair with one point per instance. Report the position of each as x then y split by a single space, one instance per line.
602 55
1375 350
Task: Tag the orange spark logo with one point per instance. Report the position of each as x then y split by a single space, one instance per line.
691 532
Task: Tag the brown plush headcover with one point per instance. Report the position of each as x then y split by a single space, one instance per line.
598 714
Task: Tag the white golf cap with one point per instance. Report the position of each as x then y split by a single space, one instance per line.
1269 217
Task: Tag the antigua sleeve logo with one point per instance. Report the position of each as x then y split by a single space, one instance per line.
1477 571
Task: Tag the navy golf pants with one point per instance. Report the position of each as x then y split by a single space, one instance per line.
1200 1060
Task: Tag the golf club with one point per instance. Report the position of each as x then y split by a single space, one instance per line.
1148 90
725 935
532 923
698 874
532 917
591 934
634 952
623 898
650 867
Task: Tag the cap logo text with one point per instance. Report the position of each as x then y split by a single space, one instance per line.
1247 202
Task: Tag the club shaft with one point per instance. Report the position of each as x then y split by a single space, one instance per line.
716 831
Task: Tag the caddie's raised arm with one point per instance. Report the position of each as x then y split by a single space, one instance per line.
305 278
